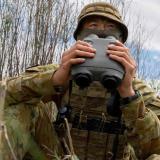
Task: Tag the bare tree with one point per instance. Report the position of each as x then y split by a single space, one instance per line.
37 32
34 32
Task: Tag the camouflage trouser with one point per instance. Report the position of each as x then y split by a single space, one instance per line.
15 136
14 145
24 131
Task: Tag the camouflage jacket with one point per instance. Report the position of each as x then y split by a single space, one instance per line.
142 134
27 116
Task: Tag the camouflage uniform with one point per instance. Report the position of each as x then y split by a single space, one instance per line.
27 117
90 121
27 121
142 133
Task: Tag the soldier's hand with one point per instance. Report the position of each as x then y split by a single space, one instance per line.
121 53
70 57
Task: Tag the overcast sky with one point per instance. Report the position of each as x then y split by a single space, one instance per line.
150 11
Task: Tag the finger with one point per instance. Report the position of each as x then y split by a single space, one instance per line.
78 54
120 48
77 61
67 65
84 43
118 43
121 54
79 45
82 47
128 66
79 51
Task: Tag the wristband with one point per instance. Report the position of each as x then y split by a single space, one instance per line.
127 100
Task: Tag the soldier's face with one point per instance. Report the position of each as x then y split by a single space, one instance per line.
99 23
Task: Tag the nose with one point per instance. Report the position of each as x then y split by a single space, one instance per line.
102 26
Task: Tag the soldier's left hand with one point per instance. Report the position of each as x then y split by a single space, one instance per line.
119 52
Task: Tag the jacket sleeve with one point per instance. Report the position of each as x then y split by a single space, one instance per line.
30 86
143 125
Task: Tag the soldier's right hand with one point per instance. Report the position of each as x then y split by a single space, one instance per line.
71 57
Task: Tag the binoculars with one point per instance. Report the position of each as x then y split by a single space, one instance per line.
100 68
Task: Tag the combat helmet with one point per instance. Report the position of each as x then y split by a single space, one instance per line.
105 10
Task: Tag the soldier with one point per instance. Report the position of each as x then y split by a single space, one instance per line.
26 118
97 134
